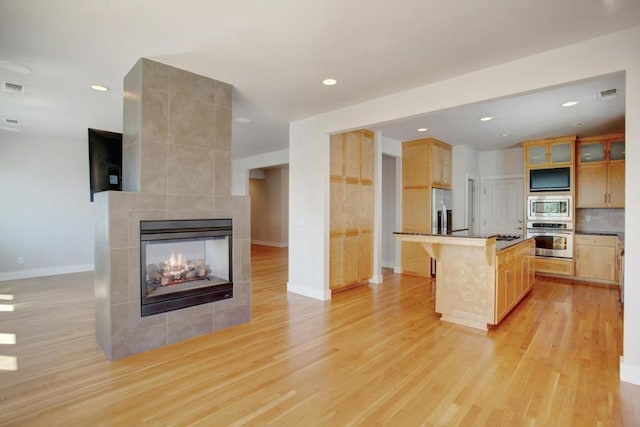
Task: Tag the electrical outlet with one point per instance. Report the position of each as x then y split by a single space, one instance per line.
588 218
20 260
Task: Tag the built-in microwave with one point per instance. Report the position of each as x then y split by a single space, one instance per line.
550 207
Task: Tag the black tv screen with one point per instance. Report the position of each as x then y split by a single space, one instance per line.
555 179
105 161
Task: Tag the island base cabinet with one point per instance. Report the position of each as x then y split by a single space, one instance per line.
514 278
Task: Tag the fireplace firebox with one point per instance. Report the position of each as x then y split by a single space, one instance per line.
185 263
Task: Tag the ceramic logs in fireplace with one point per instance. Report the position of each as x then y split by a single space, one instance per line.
184 263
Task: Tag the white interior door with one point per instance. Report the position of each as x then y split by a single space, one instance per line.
502 203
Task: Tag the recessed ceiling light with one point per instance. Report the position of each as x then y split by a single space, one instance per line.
421 129
570 103
15 67
243 120
329 82
577 124
486 118
99 88
507 134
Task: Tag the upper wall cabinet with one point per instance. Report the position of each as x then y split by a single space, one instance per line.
601 166
440 164
550 152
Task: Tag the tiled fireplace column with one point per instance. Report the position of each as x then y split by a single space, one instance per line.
177 165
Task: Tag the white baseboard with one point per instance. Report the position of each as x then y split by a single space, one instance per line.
265 243
397 270
306 292
41 272
387 264
376 279
629 373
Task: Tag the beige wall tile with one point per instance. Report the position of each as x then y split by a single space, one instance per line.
191 85
119 275
154 115
223 129
153 167
190 170
184 202
155 75
222 182
183 328
224 93
191 122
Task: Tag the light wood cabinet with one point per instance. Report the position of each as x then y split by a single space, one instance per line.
515 274
596 257
440 164
351 209
554 266
601 167
426 163
550 152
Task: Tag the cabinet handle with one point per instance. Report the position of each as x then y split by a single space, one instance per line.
605 198
609 198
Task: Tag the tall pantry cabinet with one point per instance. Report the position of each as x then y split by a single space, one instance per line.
426 164
351 209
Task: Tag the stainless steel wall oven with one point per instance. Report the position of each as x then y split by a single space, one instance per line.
553 239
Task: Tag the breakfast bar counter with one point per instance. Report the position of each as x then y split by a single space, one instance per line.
479 279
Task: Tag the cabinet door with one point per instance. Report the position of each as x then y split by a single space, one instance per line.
336 156
415 164
596 262
350 258
616 184
415 259
501 292
592 185
337 201
365 261
440 165
352 154
560 153
592 152
352 206
537 155
366 207
367 154
336 261
416 209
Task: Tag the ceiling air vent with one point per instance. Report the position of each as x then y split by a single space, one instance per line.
608 94
12 87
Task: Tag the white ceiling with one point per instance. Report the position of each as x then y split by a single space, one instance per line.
277 52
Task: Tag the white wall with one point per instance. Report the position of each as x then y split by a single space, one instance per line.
240 169
464 163
502 163
45 215
309 153
388 211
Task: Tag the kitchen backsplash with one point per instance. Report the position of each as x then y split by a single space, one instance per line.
607 220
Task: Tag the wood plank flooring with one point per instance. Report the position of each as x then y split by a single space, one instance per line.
374 355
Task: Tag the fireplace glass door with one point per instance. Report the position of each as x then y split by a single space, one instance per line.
184 263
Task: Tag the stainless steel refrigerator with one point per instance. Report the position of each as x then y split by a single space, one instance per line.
441 202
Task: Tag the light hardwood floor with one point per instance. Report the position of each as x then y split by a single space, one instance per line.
372 355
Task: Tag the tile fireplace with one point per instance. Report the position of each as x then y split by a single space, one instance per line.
173 249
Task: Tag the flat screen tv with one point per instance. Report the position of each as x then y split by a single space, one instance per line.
554 179
105 161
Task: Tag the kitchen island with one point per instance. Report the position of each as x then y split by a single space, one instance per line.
479 279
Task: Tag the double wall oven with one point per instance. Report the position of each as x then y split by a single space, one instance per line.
550 222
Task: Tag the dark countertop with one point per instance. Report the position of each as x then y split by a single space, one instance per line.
500 244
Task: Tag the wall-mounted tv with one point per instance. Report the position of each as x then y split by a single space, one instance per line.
554 179
105 161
